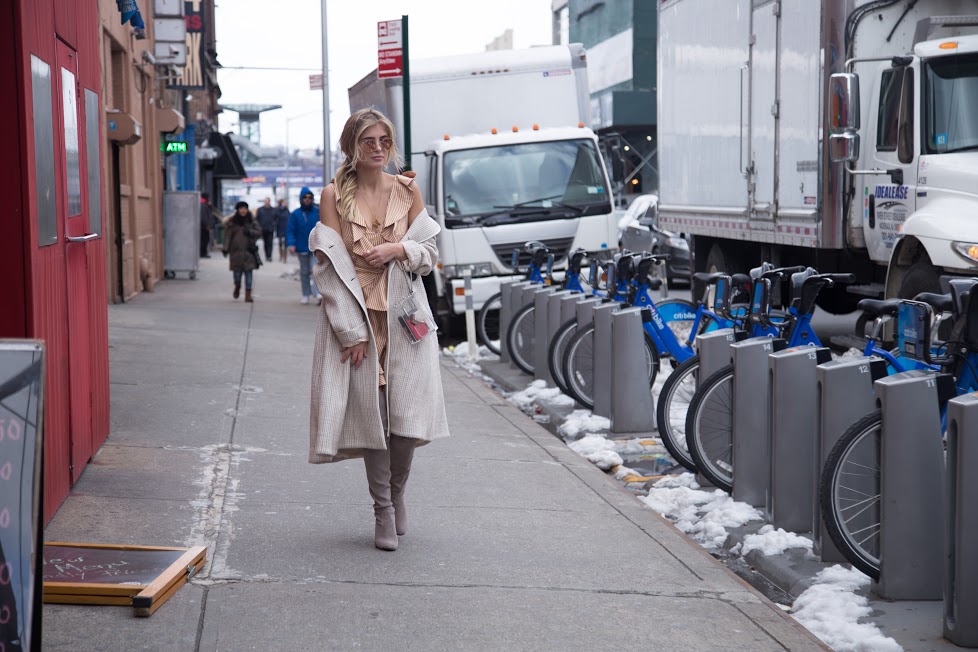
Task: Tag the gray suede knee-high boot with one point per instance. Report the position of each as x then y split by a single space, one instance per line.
378 465
401 455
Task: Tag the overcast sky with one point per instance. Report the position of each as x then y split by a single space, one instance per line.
287 33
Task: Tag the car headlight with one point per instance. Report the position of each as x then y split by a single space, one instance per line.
967 250
678 243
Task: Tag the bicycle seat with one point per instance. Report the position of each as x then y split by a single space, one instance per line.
939 302
534 245
879 307
706 278
740 280
757 272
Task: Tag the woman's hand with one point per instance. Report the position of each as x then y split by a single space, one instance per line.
384 253
355 354
320 257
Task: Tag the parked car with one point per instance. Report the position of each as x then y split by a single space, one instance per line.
638 230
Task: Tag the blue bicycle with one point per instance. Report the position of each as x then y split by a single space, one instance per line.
670 328
487 321
709 421
849 488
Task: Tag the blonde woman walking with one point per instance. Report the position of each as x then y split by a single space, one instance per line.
376 384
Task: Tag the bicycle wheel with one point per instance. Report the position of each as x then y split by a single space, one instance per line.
519 338
579 365
487 322
849 493
672 407
709 426
555 352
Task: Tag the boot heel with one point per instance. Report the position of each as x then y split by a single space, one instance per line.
385 535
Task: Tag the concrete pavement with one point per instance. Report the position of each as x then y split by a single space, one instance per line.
516 542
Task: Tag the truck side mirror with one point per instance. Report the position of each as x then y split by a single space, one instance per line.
844 101
844 148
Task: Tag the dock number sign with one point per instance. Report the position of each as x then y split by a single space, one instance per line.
390 56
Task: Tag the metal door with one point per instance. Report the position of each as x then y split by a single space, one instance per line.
765 22
76 260
894 142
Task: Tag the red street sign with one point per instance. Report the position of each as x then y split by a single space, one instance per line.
390 57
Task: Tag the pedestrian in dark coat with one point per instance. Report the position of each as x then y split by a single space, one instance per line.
207 222
241 234
282 214
266 220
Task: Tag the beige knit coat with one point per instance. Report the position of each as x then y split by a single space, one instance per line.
345 414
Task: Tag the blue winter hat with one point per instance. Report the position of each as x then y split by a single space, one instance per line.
305 191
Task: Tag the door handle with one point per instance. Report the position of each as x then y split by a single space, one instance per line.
81 238
872 211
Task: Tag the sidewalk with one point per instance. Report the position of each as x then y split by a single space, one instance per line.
516 542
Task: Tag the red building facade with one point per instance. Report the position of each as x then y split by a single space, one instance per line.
53 255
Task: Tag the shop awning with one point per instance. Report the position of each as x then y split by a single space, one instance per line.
227 165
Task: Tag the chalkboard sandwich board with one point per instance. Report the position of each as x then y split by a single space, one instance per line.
143 577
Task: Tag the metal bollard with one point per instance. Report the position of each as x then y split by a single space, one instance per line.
541 334
585 310
751 418
790 502
845 395
911 488
714 351
470 334
510 294
631 400
568 307
961 518
603 335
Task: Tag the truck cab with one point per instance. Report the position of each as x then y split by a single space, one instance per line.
493 192
914 187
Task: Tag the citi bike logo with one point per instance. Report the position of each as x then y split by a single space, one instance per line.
685 316
657 319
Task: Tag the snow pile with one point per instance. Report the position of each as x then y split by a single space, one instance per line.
582 421
638 446
538 391
773 542
851 353
460 354
597 450
831 610
701 514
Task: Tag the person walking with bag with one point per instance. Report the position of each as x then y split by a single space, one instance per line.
266 220
241 234
376 381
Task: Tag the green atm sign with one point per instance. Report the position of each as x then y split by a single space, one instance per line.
173 147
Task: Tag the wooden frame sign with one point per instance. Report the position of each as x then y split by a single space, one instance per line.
143 577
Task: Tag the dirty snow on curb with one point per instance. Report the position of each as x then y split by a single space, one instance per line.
831 610
460 354
704 515
772 542
597 450
582 421
538 391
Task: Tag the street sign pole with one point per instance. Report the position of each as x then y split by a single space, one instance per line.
327 147
407 93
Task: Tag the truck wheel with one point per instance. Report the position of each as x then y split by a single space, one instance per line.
718 261
921 277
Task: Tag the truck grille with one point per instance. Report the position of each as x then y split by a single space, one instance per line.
557 246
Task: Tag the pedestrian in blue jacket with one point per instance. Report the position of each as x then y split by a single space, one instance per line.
301 223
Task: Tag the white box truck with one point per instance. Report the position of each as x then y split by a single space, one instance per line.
503 155
762 154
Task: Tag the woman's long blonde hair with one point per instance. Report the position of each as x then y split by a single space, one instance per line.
346 177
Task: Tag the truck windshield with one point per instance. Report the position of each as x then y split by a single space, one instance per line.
524 182
951 97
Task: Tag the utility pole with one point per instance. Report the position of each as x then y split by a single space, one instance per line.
407 92
327 147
